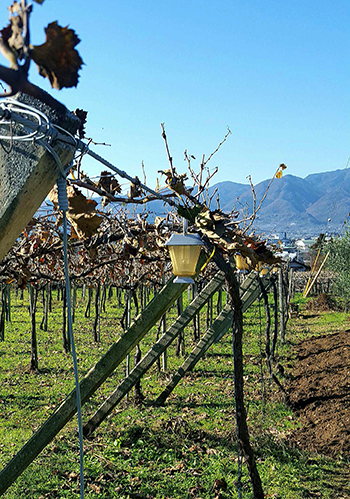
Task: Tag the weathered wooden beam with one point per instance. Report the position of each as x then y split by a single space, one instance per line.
221 325
93 380
154 353
250 291
253 292
27 174
281 304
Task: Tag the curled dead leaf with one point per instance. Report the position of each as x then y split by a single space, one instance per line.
57 59
82 115
82 213
109 183
135 189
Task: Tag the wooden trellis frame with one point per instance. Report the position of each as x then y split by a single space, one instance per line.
153 312
93 380
250 291
154 353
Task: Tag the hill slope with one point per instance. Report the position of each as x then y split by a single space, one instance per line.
318 203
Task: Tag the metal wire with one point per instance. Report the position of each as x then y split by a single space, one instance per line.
63 201
12 110
42 132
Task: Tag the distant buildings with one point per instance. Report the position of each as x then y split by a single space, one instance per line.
296 251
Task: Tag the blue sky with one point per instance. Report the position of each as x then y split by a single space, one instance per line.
276 73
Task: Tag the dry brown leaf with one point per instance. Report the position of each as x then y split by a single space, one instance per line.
82 115
82 214
109 183
135 190
6 33
57 58
85 225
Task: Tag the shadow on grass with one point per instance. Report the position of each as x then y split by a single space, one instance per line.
316 471
212 374
219 354
52 370
175 432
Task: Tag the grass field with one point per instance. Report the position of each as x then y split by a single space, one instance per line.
186 449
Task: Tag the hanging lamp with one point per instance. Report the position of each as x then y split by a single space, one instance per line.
184 252
241 263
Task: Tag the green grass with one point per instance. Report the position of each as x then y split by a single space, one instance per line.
177 451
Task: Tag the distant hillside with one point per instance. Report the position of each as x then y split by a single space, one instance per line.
300 207
294 205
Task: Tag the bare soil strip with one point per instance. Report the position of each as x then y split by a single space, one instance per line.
319 391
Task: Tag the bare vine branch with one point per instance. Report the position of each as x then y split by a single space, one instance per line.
170 159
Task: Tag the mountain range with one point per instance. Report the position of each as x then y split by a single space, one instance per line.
295 206
300 207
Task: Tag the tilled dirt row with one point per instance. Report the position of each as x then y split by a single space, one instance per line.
319 392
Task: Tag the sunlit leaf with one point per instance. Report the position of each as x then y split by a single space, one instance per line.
279 174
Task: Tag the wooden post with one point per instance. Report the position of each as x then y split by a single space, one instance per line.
3 314
33 293
163 329
219 302
209 313
196 331
74 302
44 320
290 285
165 353
8 308
316 276
127 299
281 304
